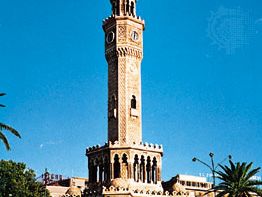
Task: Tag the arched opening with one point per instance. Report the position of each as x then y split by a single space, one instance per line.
91 171
133 102
106 169
117 7
136 170
116 167
142 169
132 8
154 171
101 173
127 7
148 170
124 170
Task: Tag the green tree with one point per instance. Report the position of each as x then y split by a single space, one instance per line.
19 181
236 180
6 128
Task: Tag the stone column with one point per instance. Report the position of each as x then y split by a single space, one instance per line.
130 170
158 174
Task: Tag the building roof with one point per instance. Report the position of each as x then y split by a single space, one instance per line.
191 178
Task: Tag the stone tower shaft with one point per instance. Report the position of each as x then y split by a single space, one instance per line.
124 53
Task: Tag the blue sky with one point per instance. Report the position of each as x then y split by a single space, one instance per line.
201 81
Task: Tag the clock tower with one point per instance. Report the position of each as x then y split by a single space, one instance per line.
124 166
124 53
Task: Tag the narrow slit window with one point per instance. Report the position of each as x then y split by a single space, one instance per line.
133 102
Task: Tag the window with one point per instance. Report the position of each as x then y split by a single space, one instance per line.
124 166
142 169
136 173
133 102
127 6
117 8
116 167
148 170
154 171
132 8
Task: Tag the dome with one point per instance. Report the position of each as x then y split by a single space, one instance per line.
120 183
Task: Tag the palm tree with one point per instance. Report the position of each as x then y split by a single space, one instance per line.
237 181
7 128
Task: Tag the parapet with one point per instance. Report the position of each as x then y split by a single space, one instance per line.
137 19
115 145
142 192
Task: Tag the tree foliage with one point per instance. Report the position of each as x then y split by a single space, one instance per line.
19 181
236 180
6 128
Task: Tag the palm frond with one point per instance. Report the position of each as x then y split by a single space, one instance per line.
8 128
222 194
254 183
256 191
4 139
252 173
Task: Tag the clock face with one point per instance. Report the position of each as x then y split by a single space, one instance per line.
134 36
110 37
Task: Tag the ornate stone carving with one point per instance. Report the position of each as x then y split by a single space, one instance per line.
121 33
125 51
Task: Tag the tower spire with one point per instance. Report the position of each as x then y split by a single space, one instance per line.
123 7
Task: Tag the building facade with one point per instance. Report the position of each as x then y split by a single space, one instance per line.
72 187
194 186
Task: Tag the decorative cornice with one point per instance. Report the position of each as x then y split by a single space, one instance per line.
115 145
123 52
111 18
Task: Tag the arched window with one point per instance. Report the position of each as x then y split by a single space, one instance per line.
91 171
116 167
124 167
101 173
127 7
133 102
132 8
96 171
136 170
117 7
154 171
142 169
148 170
106 169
